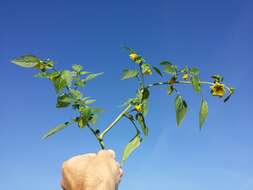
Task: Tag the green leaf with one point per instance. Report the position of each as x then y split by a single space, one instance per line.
157 71
27 61
130 147
80 83
67 76
181 109
97 110
42 75
90 101
218 78
59 83
129 74
165 63
130 50
56 129
171 69
77 68
140 118
195 83
184 70
84 73
92 76
145 107
64 101
142 94
76 93
86 116
203 112
194 71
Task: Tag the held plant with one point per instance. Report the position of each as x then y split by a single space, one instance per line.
68 83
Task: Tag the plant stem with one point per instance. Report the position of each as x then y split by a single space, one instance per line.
101 136
101 142
142 76
136 128
183 82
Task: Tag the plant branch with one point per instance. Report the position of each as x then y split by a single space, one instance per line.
137 130
183 82
101 142
101 136
142 76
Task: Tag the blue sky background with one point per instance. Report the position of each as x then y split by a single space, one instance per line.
215 36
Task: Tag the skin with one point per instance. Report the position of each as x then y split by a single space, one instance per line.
91 172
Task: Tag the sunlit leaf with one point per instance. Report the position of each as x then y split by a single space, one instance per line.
157 71
90 101
129 74
86 116
68 77
92 76
64 101
170 69
203 112
77 68
165 63
195 83
194 71
218 78
140 118
181 109
130 147
56 129
59 83
184 70
76 93
27 61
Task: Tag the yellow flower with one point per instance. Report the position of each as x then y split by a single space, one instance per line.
186 76
218 89
138 108
133 56
148 72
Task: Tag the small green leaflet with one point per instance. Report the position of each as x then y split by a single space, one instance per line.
129 74
195 83
130 147
165 63
194 71
170 69
77 68
75 93
86 116
90 101
68 77
27 61
157 71
59 83
218 78
56 129
181 109
92 76
203 112
64 101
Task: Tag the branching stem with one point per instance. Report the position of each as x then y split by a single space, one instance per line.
183 82
101 136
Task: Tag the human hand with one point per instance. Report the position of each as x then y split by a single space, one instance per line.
91 172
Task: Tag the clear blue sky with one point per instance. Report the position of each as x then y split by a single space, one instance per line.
215 36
